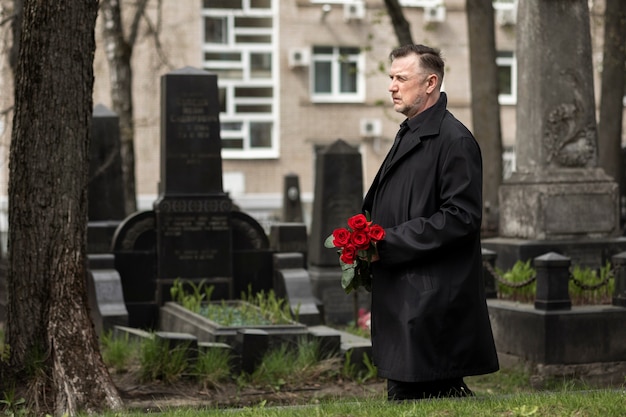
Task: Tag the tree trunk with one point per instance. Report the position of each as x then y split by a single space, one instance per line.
612 92
400 24
119 52
48 323
485 105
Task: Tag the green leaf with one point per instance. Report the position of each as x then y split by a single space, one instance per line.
345 266
346 278
329 242
368 217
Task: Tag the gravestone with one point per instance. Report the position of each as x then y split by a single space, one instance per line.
292 283
292 203
289 237
558 199
105 294
252 256
106 184
338 195
193 214
134 249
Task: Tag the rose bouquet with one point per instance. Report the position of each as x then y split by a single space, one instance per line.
356 244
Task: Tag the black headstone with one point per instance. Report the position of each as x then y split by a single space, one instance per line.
105 294
292 203
289 237
191 161
106 183
338 195
193 214
134 248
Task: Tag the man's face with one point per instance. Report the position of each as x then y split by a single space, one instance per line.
409 85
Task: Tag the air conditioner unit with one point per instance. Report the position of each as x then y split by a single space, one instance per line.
371 128
299 57
506 17
435 14
354 10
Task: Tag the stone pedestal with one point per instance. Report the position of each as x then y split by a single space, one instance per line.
560 205
561 343
194 243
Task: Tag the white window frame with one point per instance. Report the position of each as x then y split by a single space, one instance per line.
510 61
421 3
336 96
504 4
229 115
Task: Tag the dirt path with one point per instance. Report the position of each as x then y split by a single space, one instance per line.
160 396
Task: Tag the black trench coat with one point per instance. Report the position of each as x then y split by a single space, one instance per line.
429 313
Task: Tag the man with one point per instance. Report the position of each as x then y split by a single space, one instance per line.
430 324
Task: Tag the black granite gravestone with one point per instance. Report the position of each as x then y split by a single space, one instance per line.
252 258
292 203
292 282
134 248
338 195
193 214
289 237
106 184
105 293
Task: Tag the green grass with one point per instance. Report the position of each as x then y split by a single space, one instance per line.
601 403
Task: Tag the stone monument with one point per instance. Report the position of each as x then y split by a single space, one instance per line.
338 195
558 199
193 214
106 184
292 204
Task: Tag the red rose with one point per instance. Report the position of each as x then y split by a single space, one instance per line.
348 254
341 237
360 239
357 222
376 232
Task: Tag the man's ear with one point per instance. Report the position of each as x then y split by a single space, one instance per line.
433 80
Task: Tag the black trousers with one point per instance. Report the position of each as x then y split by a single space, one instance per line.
400 391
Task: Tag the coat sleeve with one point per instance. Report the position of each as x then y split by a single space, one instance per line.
458 217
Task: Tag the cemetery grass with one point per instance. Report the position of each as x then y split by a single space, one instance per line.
152 380
604 403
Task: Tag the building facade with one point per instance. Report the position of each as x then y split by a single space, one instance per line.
294 76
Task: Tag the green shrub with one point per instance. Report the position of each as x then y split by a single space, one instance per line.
519 273
523 271
592 278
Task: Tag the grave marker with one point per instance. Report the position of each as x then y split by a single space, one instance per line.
193 214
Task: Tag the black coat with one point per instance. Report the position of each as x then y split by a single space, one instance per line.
429 313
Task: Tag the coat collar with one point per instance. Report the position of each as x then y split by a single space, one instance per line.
428 124
429 120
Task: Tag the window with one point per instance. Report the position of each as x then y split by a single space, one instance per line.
507 77
240 46
337 75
